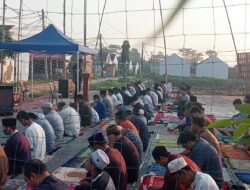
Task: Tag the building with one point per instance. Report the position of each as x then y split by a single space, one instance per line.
212 67
176 66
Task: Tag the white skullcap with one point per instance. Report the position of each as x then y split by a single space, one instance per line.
99 159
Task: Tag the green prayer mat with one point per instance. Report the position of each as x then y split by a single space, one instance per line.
239 164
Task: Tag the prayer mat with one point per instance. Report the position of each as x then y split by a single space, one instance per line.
244 177
239 164
67 139
15 184
211 117
70 175
168 141
85 153
74 162
230 152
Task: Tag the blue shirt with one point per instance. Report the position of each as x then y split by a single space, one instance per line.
207 158
100 109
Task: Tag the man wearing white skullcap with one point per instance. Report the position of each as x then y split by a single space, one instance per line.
96 177
193 180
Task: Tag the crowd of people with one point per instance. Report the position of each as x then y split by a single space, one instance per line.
117 148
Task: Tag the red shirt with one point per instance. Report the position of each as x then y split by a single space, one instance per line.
170 180
126 124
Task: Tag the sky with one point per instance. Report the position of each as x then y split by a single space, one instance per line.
200 25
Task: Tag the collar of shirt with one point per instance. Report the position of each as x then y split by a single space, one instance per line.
96 178
14 132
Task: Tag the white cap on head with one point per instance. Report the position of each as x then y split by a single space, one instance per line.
141 111
99 159
176 165
47 105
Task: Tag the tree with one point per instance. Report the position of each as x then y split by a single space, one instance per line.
125 56
5 53
191 56
211 53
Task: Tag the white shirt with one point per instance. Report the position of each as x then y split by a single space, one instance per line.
95 116
36 137
203 182
119 97
154 97
148 101
168 87
71 120
114 99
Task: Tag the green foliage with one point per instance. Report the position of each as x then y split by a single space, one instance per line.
245 140
220 123
243 108
8 38
241 129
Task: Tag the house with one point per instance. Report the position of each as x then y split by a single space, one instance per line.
176 66
212 67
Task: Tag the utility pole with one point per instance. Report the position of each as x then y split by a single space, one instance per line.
3 39
64 16
101 55
142 56
43 21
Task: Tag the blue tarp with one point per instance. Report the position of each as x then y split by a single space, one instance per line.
49 41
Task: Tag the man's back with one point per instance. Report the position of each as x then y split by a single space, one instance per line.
100 109
3 167
117 168
209 137
109 106
127 124
49 133
207 158
71 121
36 137
142 129
17 149
131 157
85 114
56 122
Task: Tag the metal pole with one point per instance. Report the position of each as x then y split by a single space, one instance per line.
64 16
32 76
235 48
43 21
19 35
3 39
142 57
77 74
165 48
101 55
100 23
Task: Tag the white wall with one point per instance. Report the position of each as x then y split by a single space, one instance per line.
176 66
213 68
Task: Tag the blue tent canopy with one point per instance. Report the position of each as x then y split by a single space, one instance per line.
48 41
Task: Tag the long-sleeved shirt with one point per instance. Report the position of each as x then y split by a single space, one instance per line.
142 129
36 137
49 132
56 122
17 150
126 124
71 120
109 106
100 109
207 158
131 157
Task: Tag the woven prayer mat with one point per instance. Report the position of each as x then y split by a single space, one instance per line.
239 164
230 152
244 177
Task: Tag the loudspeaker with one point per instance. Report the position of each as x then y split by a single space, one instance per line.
63 88
6 100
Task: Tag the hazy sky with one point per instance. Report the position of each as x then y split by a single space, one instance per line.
197 26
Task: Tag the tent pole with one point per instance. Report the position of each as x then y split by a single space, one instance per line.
77 75
32 77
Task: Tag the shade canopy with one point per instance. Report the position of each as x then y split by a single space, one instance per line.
49 41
